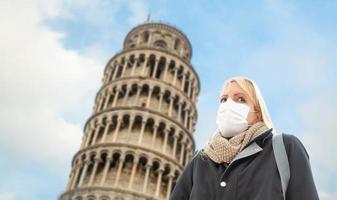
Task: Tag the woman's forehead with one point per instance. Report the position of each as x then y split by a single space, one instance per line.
232 87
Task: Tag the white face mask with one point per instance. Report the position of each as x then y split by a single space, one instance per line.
232 118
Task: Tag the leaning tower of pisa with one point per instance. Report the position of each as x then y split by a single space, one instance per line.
140 134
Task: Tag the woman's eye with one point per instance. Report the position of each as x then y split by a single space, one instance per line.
223 100
241 99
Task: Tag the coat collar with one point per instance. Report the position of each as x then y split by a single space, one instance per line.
262 138
254 146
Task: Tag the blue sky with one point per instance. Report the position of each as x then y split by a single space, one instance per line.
53 54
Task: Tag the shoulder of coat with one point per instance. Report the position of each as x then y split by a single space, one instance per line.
197 152
203 155
289 138
293 143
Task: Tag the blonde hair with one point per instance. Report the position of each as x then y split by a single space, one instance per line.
253 91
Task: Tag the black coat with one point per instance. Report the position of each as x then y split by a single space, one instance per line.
252 175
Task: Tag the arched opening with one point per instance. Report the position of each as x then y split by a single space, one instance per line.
176 44
146 36
160 44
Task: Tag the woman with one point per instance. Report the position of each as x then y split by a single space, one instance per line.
217 172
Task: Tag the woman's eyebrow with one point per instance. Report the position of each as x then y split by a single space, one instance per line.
235 94
240 93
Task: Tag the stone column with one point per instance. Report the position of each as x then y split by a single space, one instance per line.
181 52
190 87
126 94
167 64
146 59
84 138
160 100
106 168
131 121
119 121
133 172
125 66
190 122
90 131
106 129
155 129
98 128
196 95
93 173
186 115
150 38
193 93
134 65
99 107
116 69
84 172
183 82
180 104
170 106
160 173
119 170
149 97
115 97
169 185
165 141
137 95
77 171
175 76
147 173
182 151
188 150
156 63
175 138
142 131
107 100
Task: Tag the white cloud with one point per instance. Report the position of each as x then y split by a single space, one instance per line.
7 196
327 196
319 136
321 129
39 81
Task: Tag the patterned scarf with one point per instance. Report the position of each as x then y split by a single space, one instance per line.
221 149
